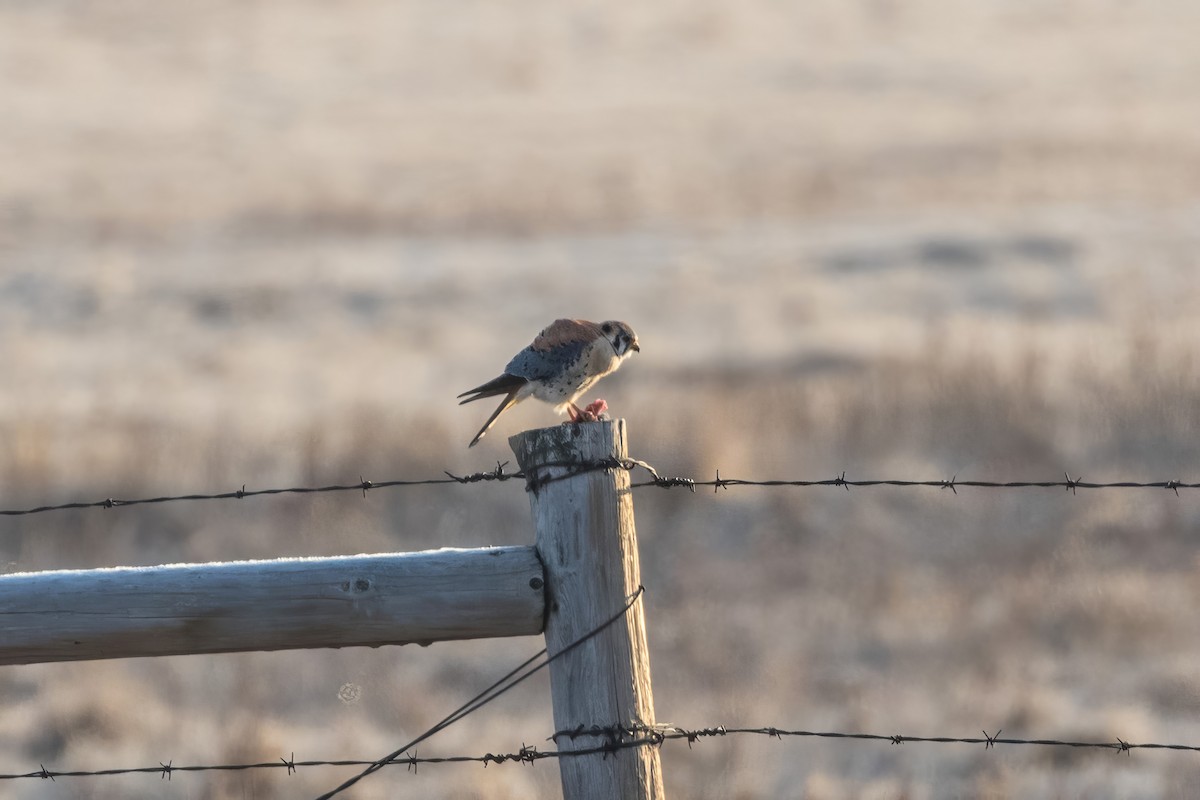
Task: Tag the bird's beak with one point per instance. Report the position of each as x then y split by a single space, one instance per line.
635 347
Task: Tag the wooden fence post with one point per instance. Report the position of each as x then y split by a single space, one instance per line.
588 546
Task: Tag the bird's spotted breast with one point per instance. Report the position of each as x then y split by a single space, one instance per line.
592 362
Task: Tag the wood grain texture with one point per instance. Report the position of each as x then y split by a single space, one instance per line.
588 544
346 601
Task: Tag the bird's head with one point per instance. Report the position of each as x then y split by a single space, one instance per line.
621 337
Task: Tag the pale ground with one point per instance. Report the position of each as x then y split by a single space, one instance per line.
266 244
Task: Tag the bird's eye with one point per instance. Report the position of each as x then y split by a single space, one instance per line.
606 328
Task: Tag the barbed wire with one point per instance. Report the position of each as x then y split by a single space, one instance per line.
616 738
504 684
535 482
620 737
953 484
363 485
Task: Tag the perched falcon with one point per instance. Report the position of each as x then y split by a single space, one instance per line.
562 363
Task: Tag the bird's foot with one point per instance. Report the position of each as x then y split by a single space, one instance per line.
596 410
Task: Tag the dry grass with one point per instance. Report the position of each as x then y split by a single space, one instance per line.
879 610
267 244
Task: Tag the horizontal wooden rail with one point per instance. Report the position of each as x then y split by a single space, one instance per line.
345 601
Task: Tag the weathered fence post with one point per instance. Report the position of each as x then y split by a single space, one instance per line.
588 545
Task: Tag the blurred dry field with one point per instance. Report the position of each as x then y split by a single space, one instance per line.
267 243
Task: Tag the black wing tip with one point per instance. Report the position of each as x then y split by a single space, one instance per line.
504 384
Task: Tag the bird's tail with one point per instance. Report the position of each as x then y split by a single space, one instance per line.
509 401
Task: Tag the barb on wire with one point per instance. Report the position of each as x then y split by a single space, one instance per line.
616 737
571 469
504 684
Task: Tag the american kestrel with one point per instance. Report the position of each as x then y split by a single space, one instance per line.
562 363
